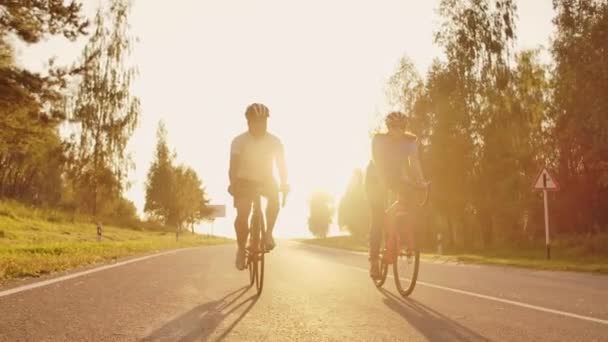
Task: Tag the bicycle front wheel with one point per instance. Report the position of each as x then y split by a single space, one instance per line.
405 269
251 265
259 274
383 272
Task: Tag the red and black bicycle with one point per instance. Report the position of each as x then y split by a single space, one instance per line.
400 248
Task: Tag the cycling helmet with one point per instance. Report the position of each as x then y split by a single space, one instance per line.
256 111
396 119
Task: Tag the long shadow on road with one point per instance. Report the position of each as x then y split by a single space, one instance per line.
432 324
202 321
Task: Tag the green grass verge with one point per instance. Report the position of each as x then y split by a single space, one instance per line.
32 244
567 258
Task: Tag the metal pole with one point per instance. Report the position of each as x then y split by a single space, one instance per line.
547 240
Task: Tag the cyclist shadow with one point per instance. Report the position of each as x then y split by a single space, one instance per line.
201 322
432 324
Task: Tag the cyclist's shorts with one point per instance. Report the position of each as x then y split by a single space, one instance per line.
379 186
245 191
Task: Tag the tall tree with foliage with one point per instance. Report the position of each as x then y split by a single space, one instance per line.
189 205
405 92
32 20
581 112
321 213
477 36
174 194
159 185
353 210
523 146
104 108
31 150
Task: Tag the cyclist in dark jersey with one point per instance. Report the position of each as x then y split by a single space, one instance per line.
395 166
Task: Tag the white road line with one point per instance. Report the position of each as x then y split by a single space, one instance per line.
80 274
502 300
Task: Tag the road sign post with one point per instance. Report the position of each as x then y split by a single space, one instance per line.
547 240
546 182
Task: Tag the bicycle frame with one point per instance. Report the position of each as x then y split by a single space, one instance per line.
392 234
257 247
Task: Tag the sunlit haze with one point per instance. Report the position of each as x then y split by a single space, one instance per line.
320 66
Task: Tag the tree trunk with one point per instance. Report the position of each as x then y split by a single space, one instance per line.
450 231
486 228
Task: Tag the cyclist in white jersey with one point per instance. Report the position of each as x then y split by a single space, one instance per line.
395 166
253 156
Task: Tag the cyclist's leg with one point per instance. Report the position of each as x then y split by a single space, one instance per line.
375 195
242 203
405 218
271 194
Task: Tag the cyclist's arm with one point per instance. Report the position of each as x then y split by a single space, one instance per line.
234 164
377 154
281 164
415 165
234 161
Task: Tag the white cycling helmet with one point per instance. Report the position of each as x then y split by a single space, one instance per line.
396 119
256 111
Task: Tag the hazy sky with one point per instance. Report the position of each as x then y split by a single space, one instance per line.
319 65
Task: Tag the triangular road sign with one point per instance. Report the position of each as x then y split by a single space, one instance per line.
545 181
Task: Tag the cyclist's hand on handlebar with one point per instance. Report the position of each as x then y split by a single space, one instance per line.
284 188
424 185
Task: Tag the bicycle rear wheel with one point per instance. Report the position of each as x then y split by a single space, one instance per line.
259 235
405 270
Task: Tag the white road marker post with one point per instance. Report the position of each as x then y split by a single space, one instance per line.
547 239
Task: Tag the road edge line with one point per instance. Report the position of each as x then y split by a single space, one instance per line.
48 282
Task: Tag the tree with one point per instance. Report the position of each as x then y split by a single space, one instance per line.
159 185
580 112
174 195
461 106
405 91
33 19
522 143
353 210
31 150
104 109
450 143
321 213
189 205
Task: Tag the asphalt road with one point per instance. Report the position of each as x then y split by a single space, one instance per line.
311 294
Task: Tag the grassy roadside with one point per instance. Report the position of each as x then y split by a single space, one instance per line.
33 244
566 259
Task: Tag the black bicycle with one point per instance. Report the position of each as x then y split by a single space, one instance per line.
256 250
